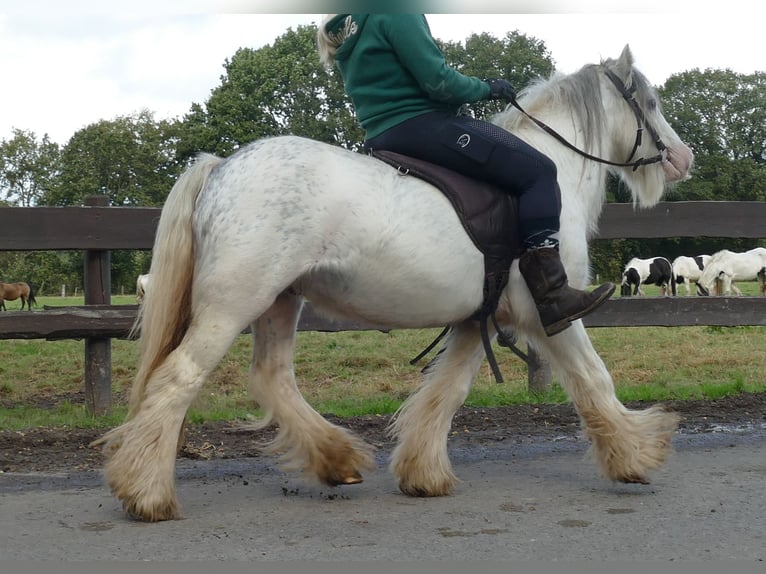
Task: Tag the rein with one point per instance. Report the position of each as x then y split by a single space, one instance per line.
627 95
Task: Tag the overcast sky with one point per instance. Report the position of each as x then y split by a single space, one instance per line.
65 64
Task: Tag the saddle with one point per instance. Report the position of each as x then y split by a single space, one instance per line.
489 216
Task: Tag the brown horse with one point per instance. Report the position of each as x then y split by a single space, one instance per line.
13 291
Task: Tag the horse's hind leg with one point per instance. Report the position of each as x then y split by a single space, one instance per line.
141 453
305 439
627 444
420 461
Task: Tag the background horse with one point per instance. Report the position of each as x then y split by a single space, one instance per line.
287 218
688 270
729 266
142 283
653 271
13 291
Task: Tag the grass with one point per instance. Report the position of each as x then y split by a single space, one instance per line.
353 373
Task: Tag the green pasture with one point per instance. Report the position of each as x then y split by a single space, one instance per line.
351 373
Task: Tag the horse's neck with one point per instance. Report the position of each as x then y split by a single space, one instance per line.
582 181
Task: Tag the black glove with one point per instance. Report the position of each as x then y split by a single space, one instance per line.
500 89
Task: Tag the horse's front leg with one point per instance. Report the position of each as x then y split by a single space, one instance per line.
420 461
305 440
627 444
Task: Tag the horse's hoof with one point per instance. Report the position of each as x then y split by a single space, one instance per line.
416 492
355 478
635 480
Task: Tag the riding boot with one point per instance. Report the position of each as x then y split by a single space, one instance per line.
557 303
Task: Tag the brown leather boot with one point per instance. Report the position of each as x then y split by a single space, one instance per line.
557 303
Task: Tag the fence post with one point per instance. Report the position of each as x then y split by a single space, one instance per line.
538 372
98 350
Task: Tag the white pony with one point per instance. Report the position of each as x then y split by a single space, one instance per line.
688 270
288 218
727 266
142 284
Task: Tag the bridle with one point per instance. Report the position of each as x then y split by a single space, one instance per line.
641 124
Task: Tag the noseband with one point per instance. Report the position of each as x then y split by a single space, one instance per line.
627 95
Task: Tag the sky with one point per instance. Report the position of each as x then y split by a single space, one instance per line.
65 64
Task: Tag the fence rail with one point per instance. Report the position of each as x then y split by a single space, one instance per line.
98 229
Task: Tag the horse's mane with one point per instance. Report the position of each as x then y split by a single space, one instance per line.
579 92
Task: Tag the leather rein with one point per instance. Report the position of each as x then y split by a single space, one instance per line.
628 95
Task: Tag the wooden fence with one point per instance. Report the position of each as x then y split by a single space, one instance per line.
97 229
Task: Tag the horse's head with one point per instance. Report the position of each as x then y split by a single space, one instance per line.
648 137
712 274
614 116
630 278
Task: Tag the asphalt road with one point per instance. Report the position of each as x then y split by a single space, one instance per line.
531 501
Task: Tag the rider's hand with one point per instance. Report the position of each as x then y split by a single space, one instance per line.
500 89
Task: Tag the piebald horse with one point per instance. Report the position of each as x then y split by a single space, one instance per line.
688 270
653 271
287 219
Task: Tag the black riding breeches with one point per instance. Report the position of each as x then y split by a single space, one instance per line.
487 152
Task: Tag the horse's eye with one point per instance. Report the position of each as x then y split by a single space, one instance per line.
652 104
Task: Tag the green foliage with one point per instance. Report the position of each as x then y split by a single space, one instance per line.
516 57
129 159
28 168
722 116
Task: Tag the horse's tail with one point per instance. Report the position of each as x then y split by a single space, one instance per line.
165 313
31 299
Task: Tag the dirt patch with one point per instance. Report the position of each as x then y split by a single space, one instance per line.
60 450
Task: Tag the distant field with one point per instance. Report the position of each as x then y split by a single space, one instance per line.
41 382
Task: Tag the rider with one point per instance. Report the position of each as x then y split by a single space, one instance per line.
407 99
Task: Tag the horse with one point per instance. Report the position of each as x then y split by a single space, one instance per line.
142 283
689 269
13 291
726 266
289 219
653 271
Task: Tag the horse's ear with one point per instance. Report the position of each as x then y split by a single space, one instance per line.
625 61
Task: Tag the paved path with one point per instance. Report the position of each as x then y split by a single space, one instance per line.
528 501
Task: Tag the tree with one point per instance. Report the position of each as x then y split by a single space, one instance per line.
722 116
518 58
131 159
28 167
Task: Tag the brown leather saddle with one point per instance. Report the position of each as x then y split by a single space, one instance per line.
490 218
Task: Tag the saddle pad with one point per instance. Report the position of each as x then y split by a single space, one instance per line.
488 214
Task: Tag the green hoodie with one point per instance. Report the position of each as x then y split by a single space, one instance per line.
393 70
